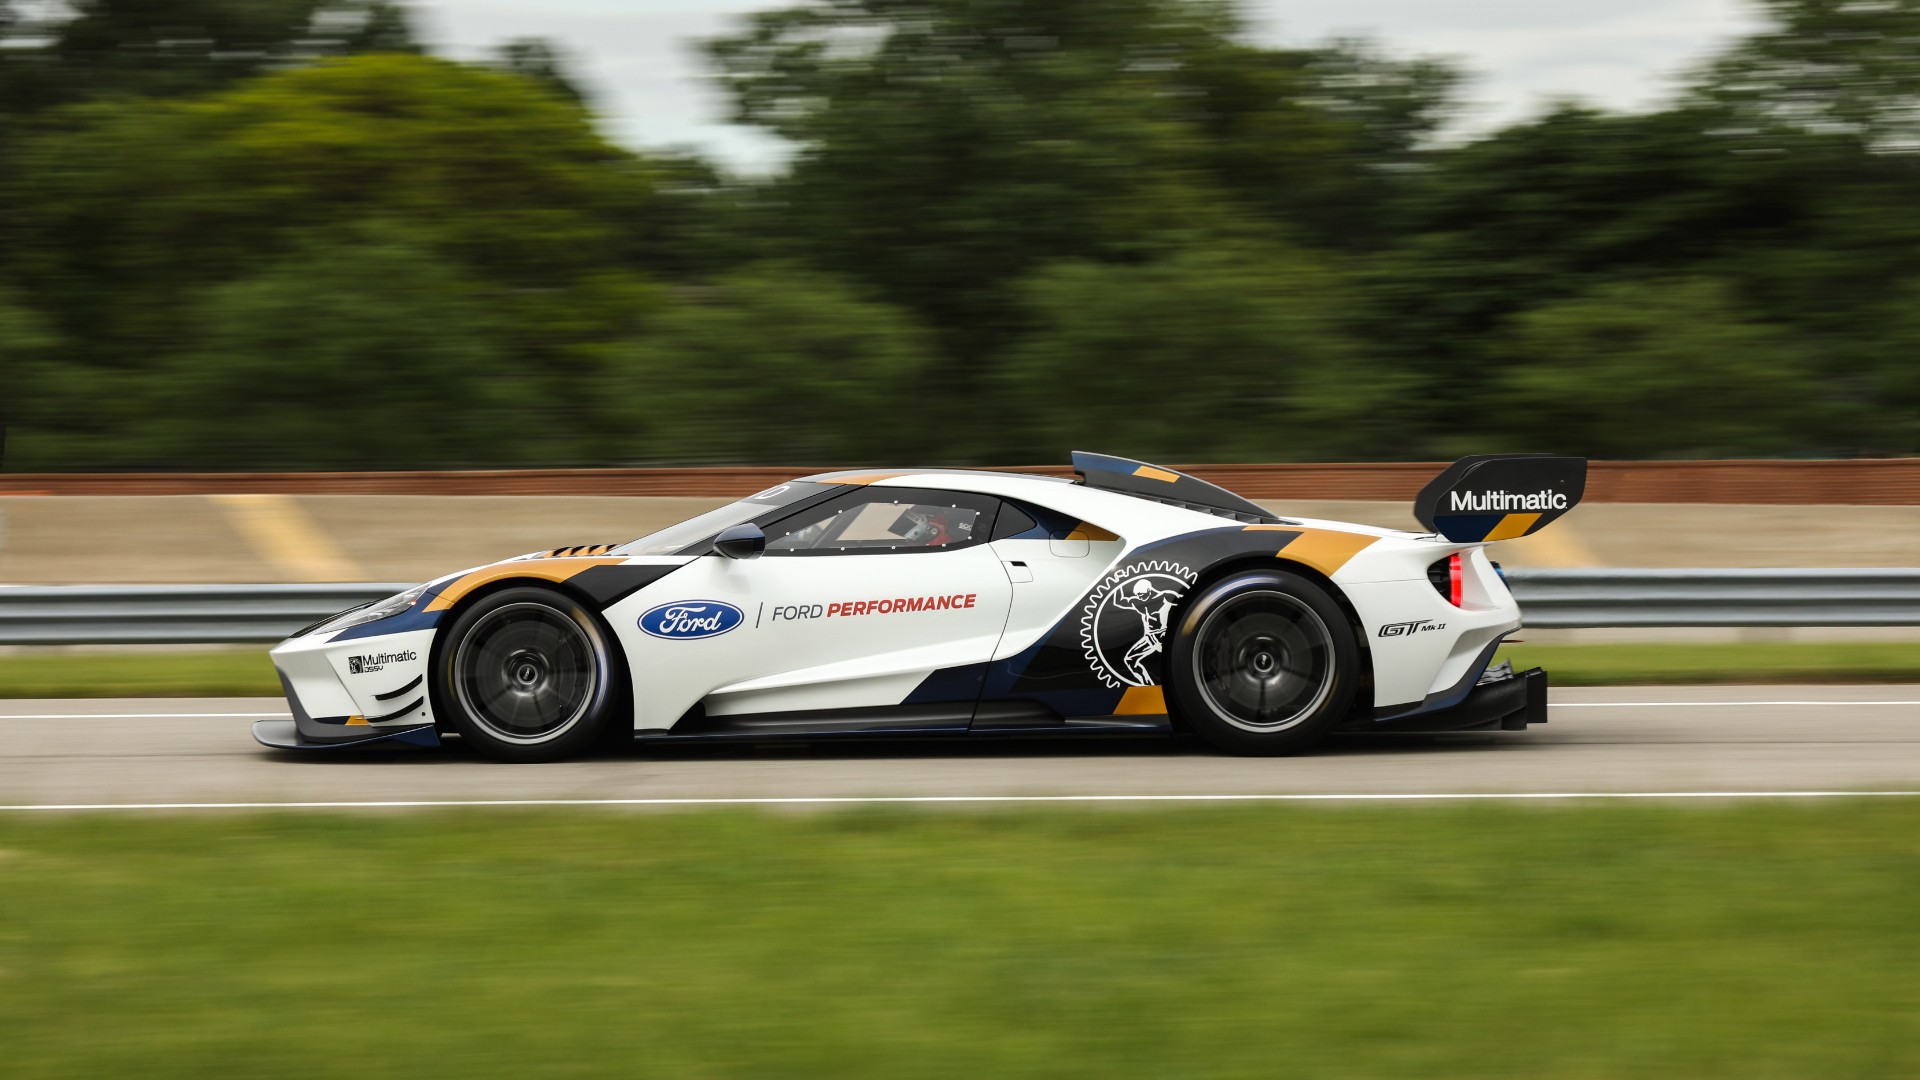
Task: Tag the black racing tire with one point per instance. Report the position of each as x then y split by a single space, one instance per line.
527 674
1263 662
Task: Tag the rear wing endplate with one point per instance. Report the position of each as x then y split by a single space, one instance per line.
1500 496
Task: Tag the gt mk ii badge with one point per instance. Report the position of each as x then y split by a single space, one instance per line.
691 619
1417 626
1124 623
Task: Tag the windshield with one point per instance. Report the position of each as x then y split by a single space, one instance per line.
676 538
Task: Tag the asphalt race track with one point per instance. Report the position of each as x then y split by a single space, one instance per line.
1668 741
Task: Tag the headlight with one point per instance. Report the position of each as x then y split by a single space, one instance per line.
374 612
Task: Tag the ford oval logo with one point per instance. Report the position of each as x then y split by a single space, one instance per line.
691 619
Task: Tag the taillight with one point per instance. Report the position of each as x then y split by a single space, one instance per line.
1448 577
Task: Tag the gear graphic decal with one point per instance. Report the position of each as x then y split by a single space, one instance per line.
1124 623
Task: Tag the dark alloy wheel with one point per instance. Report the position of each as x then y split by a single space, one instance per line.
526 675
1263 662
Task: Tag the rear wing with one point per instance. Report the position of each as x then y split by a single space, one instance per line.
1491 497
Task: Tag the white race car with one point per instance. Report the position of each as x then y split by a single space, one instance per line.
931 602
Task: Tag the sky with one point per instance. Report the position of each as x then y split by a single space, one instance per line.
637 62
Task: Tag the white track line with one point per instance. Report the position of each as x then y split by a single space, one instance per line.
858 800
1702 704
1556 705
147 716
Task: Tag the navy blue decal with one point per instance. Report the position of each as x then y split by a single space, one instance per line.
691 619
1118 632
1047 524
416 617
948 685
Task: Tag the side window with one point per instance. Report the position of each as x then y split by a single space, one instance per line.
1012 521
884 520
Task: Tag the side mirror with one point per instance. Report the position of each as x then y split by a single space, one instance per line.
744 541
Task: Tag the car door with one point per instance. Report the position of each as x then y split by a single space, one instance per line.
856 604
1055 562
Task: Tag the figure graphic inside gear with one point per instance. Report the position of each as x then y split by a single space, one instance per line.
1155 607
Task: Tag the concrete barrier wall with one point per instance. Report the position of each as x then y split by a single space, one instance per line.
1880 482
271 538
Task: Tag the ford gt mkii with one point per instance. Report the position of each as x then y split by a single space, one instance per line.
1132 599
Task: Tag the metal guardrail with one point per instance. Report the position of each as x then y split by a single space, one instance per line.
171 614
208 614
1647 598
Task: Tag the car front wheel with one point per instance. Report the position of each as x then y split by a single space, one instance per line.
1263 662
526 674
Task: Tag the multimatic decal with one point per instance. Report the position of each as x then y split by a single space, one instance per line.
1417 626
685 619
372 662
1124 623
1491 497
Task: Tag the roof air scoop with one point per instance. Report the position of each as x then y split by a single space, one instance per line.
1160 484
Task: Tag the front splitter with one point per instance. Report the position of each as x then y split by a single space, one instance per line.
285 735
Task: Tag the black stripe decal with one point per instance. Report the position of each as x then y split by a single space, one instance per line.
608 585
391 694
397 713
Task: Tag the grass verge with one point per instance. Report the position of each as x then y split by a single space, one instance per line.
169 673
1746 941
248 673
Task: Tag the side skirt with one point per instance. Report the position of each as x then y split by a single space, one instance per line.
998 719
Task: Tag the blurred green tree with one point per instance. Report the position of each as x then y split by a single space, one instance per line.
989 201
28 352
945 149
543 62
1881 380
1848 68
1320 140
1652 368
1233 353
776 362
1533 212
85 50
491 174
399 347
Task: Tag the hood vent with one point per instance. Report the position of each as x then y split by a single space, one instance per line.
579 550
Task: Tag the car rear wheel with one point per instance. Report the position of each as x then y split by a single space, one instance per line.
1263 662
527 674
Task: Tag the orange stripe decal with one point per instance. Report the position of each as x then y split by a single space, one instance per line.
1089 531
549 569
1142 701
859 479
1324 549
1152 473
1511 526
